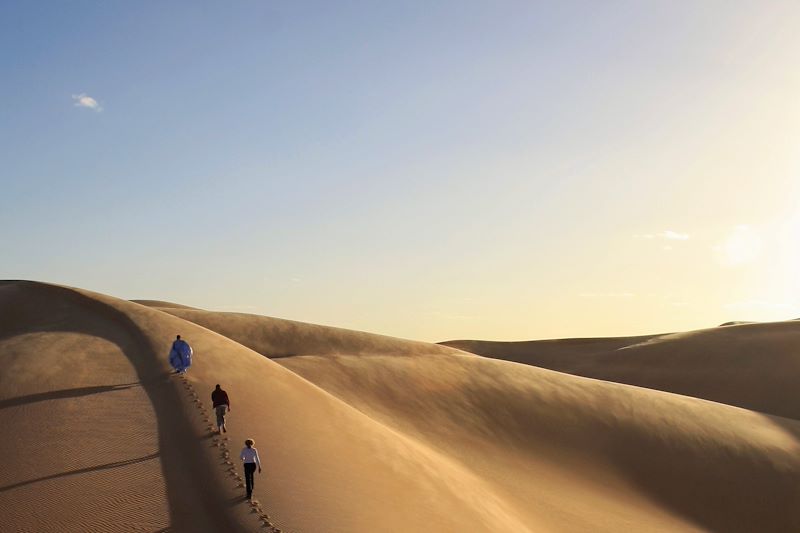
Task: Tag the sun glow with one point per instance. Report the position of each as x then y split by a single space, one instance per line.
742 246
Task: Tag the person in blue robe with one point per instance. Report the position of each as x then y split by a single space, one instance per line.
180 355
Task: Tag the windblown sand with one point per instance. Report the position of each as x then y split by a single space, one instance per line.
366 433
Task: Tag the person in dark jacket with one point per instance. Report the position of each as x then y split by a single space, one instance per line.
222 405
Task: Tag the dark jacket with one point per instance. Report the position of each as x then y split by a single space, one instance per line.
220 397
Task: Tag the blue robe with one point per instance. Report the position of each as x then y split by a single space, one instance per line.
180 356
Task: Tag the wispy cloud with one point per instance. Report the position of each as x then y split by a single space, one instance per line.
84 100
667 235
674 235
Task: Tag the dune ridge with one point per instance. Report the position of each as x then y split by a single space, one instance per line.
362 432
277 337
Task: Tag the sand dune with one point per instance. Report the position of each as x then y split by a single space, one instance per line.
750 365
359 432
275 337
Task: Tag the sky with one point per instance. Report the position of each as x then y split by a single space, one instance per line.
429 170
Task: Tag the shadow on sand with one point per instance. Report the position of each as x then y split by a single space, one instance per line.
65 393
185 467
107 466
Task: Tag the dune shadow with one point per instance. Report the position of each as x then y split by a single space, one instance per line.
64 393
708 489
107 466
180 460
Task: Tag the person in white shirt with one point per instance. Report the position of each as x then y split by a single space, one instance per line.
249 457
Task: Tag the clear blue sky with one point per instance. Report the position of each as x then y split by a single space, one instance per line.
428 170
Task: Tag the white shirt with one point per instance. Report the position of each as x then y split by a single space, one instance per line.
250 455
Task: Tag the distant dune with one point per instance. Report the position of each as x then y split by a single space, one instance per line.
367 433
750 365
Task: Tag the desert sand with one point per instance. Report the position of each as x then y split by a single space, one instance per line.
365 433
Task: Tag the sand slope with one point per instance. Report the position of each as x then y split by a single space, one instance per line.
359 432
750 365
414 392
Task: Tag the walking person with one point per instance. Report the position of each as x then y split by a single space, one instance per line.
180 355
249 457
221 403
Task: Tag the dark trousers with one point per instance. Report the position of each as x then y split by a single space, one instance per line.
249 482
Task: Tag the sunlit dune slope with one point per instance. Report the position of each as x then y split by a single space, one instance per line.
360 433
578 454
750 365
560 452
